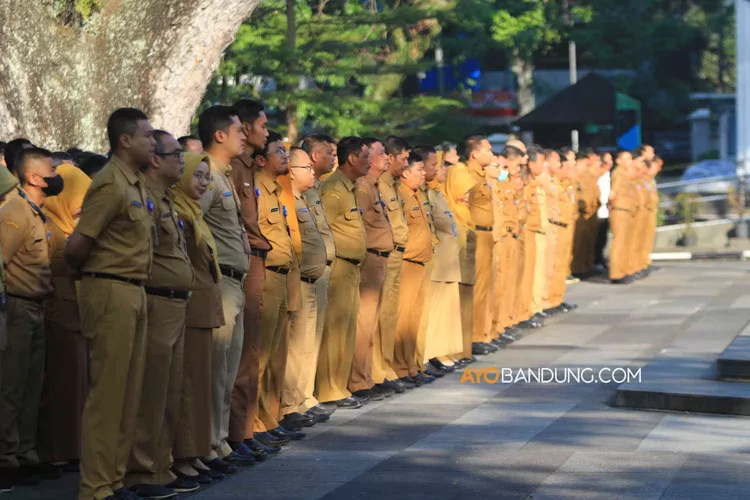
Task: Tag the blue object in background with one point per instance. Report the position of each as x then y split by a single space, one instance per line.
630 139
468 74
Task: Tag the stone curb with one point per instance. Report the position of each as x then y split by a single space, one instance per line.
678 256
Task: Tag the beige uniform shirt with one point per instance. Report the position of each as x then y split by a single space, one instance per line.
447 265
313 263
377 227
390 195
25 246
419 246
480 199
115 216
221 211
312 197
272 220
338 195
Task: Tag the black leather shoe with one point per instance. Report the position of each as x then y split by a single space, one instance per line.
200 478
479 349
442 366
323 409
529 324
270 440
19 476
239 459
281 431
257 447
622 281
395 385
220 465
295 422
492 347
245 450
319 418
368 394
364 400
181 485
348 404
410 382
540 317
383 390
434 373
425 379
498 342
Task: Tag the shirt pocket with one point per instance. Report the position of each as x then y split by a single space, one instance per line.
35 246
227 201
274 217
135 213
393 205
378 207
303 216
415 213
351 214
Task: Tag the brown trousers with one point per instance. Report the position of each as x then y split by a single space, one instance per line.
383 341
302 326
113 319
482 283
507 282
419 353
21 376
193 437
159 410
584 246
339 333
563 256
466 295
410 304
650 233
620 222
551 257
66 383
274 336
370 295
526 288
244 406
321 299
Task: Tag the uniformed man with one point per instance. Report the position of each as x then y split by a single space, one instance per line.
568 205
321 151
339 198
313 263
12 149
244 406
28 280
379 247
222 135
554 230
272 161
413 274
167 294
536 197
653 207
621 206
190 144
604 183
112 248
383 374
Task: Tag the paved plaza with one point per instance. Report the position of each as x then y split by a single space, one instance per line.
530 440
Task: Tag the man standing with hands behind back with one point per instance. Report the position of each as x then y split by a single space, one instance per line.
112 248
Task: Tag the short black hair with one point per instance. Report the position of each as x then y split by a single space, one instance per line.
423 151
91 163
312 141
123 121
185 139
395 145
447 146
61 156
416 156
534 151
470 144
586 152
12 149
622 152
248 110
348 146
26 155
213 119
369 141
2 146
639 150
159 136
509 152
563 151
272 137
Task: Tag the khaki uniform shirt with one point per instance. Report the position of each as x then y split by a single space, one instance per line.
272 221
447 264
221 211
389 193
623 192
480 199
339 198
653 195
419 245
171 268
567 202
553 200
506 217
115 216
243 177
25 247
377 227
312 197
313 263
428 202
533 206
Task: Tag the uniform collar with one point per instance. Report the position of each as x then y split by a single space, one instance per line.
33 206
247 160
350 186
389 179
476 170
269 183
217 165
130 176
151 186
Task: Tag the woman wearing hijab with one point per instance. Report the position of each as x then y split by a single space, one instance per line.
203 315
66 366
450 339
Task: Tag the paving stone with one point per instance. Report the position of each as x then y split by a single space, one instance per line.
698 433
701 491
622 486
630 462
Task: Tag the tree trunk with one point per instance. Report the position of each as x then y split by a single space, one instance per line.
524 72
292 130
59 83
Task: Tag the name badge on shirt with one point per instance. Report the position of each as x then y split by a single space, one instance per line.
414 208
227 194
303 210
136 203
166 215
274 209
393 199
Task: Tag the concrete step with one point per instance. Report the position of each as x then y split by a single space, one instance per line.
699 396
734 362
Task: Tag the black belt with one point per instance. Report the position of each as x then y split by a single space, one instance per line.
308 280
168 293
556 223
232 273
378 253
107 276
483 228
400 249
415 262
278 269
329 262
36 301
539 232
351 261
261 254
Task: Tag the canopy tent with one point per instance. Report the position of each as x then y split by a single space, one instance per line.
603 116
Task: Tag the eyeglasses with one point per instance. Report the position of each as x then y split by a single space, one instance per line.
180 154
280 152
198 175
310 167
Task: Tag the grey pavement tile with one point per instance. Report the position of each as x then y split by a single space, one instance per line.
607 462
579 317
700 491
620 486
720 468
233 488
742 302
691 433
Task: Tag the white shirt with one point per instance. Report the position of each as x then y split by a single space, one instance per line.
604 184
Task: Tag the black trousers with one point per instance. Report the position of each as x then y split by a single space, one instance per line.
601 241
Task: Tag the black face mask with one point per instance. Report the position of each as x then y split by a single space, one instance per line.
54 185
